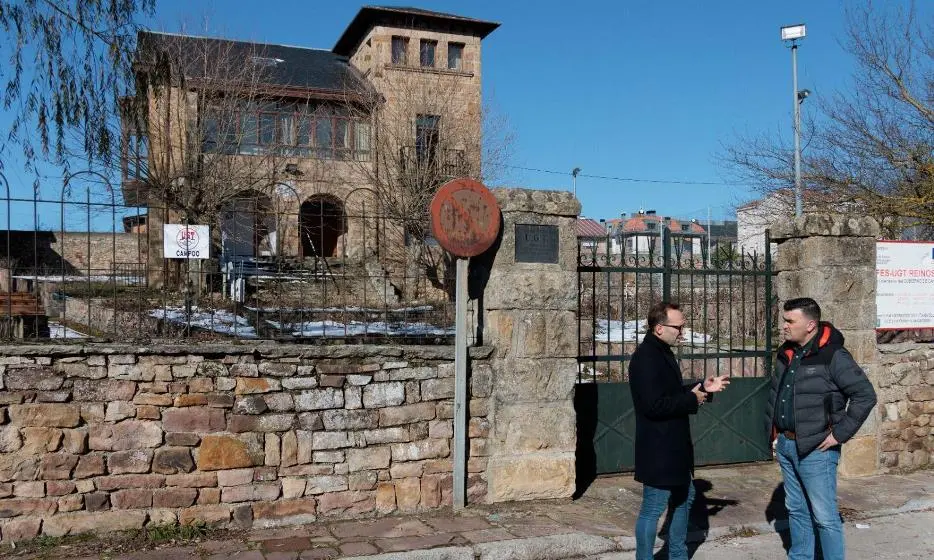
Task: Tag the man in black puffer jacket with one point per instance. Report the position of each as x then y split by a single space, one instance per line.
819 399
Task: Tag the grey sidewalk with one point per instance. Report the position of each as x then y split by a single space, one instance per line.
730 501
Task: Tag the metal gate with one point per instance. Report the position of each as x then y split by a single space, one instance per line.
728 305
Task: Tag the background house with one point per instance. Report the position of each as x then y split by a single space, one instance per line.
593 235
755 217
640 232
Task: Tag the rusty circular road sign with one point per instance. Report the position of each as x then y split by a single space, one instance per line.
465 217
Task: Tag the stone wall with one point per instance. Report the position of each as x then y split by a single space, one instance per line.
832 258
43 252
529 314
105 249
906 398
112 437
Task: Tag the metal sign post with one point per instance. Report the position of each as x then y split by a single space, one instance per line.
465 220
460 387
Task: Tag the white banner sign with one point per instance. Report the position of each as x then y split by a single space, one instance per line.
904 285
186 242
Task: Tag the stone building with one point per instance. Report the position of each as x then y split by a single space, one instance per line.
640 233
294 152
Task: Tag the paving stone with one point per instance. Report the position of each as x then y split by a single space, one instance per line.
487 535
292 544
319 554
550 547
239 555
281 556
418 543
381 528
358 549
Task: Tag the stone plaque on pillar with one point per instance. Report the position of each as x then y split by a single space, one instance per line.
536 243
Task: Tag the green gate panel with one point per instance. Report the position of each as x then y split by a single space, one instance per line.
729 430
615 436
732 429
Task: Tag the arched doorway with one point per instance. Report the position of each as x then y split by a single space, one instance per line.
321 223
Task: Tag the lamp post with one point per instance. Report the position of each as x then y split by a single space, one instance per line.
574 173
793 33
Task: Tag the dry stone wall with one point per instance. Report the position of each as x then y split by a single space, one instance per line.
109 438
906 397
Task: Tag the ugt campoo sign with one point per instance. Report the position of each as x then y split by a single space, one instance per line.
186 242
904 285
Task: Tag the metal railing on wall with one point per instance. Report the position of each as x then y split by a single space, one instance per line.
726 297
278 266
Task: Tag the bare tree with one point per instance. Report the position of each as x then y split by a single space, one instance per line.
217 126
870 148
426 131
206 140
80 61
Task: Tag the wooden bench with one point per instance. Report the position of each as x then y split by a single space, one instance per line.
20 304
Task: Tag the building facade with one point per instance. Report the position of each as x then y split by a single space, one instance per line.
293 152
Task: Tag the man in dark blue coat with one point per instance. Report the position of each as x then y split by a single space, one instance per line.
664 452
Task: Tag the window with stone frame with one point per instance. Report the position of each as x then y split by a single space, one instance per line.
400 48
456 56
426 53
427 138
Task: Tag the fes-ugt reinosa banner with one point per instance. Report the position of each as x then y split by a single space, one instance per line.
904 285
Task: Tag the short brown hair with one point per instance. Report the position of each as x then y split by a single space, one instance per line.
658 315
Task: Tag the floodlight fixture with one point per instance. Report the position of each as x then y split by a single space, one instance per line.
792 32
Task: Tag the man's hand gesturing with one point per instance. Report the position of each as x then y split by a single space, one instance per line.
716 384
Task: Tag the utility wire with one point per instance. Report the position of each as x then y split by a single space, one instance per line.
626 179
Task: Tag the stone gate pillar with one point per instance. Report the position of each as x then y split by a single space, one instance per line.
529 309
832 259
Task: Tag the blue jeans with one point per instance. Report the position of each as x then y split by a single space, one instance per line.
811 500
678 500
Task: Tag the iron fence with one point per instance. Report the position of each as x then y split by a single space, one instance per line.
322 268
727 301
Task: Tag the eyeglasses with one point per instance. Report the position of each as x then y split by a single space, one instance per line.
679 328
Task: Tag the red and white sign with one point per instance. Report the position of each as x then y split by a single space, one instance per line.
904 285
464 217
186 242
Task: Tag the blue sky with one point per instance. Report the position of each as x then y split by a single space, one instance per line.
631 88
635 88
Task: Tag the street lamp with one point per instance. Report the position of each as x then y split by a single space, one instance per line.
793 33
574 173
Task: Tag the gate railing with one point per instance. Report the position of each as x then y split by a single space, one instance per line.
726 298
